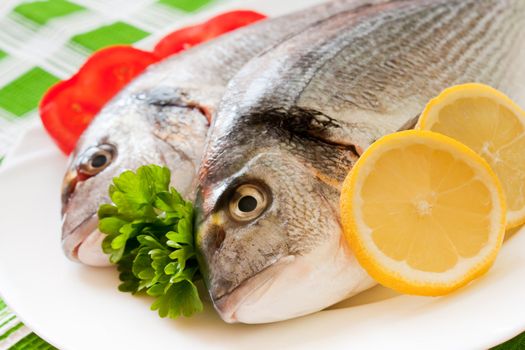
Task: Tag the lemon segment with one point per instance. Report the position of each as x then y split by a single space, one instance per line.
423 213
493 126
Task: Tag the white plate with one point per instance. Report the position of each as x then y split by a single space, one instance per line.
77 307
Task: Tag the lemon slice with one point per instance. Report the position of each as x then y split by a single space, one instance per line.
492 125
423 213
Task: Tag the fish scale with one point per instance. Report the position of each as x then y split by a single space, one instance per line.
310 97
295 119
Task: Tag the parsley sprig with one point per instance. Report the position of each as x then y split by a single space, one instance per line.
149 229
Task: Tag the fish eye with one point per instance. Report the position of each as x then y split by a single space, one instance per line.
248 202
95 159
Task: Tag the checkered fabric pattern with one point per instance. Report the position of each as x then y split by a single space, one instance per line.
44 41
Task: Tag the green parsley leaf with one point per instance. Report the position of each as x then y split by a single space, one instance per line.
149 235
179 299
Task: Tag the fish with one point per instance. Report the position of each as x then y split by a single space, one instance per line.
295 119
162 117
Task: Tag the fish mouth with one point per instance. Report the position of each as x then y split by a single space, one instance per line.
84 244
250 290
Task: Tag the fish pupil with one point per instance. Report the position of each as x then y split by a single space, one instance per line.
98 161
247 204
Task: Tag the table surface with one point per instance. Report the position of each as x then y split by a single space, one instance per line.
44 41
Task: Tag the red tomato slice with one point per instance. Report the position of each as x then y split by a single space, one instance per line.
185 38
107 71
66 112
179 40
229 21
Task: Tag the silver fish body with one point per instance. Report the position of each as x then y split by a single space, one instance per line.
295 119
162 117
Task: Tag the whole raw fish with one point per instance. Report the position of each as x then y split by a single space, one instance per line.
162 117
295 119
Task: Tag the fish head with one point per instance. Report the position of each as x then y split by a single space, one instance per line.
146 127
269 240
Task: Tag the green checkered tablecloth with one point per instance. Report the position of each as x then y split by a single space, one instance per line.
44 41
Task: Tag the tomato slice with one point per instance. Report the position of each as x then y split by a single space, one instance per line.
66 112
179 40
107 71
232 20
185 38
